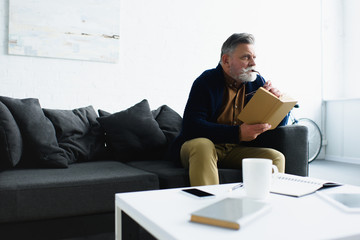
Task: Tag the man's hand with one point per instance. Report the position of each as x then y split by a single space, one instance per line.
250 132
268 86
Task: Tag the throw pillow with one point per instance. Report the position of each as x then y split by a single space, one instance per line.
103 113
38 134
133 133
10 139
169 122
78 133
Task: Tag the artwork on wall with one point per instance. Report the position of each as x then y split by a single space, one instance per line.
81 29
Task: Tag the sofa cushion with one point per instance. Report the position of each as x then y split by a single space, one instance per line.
37 132
10 139
78 133
81 189
133 133
103 113
172 176
169 121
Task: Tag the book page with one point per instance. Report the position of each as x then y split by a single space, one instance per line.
286 98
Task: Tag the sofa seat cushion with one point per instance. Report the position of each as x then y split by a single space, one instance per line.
81 189
172 176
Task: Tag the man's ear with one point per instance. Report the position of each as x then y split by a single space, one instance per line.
225 59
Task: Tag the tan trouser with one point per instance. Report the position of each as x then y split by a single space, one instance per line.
202 157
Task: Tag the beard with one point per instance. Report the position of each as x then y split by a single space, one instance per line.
247 75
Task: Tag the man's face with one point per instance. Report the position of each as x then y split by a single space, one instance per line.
240 63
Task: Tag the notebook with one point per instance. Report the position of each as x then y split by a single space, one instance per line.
297 186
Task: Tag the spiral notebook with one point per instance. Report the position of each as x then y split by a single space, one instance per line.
297 186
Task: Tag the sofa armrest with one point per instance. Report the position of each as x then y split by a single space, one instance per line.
292 141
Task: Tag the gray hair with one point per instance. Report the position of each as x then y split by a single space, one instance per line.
234 40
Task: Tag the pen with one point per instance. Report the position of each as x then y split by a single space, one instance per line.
236 187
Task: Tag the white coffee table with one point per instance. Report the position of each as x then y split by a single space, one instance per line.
166 215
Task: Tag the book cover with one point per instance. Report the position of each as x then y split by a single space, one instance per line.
231 213
265 107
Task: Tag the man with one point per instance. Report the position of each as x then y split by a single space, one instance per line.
211 134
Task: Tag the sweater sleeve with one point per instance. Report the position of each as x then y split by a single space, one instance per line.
201 112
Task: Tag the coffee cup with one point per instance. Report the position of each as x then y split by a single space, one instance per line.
258 174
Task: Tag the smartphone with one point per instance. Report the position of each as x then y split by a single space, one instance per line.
198 193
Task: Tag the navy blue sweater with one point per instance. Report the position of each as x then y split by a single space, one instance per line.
203 108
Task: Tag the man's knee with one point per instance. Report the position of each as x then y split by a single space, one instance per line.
201 149
199 155
278 159
201 145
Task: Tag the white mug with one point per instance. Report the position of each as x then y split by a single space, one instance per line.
257 177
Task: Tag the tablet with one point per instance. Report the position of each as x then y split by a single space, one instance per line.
348 202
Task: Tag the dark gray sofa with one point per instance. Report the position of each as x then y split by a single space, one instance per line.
64 200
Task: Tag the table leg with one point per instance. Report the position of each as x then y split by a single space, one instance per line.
118 224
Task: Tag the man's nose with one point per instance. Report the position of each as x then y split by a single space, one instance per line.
252 62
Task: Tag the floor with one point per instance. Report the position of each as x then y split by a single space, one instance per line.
346 173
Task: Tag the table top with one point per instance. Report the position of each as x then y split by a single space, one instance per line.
166 214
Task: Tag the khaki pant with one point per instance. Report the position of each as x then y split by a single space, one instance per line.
203 157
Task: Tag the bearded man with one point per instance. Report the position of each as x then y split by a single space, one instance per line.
211 134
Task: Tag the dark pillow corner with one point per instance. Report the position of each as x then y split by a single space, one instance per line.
103 113
169 121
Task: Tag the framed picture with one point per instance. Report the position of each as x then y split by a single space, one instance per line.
81 29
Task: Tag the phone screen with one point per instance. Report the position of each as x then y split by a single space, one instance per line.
198 192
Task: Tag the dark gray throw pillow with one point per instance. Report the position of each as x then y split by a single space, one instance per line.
169 122
78 133
38 134
103 113
133 133
10 139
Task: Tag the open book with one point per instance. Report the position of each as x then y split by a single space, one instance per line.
297 186
230 212
265 107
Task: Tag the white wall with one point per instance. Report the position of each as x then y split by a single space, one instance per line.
351 48
165 45
342 133
341 37
333 48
